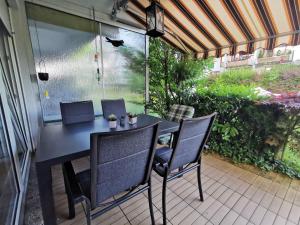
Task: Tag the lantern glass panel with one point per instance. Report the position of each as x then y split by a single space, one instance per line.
159 19
151 20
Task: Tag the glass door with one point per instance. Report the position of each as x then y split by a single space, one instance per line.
8 187
64 47
72 50
14 150
20 146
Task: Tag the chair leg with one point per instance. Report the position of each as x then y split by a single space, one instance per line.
71 204
164 209
63 167
199 181
88 212
150 202
179 170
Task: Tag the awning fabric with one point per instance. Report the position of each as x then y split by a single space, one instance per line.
218 27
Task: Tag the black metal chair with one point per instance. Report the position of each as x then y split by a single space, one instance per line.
113 106
72 113
77 112
121 162
185 153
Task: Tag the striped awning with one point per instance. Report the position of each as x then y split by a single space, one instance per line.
218 27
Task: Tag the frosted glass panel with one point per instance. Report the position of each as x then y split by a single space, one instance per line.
68 56
124 67
65 46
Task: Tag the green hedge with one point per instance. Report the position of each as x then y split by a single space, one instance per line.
248 131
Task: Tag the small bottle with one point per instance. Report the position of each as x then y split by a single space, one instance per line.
122 121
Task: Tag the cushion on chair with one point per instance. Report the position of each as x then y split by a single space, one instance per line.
179 112
84 180
163 155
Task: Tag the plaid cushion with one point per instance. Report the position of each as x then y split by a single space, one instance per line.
179 112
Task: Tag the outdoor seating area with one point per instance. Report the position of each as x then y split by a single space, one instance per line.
121 157
131 112
232 195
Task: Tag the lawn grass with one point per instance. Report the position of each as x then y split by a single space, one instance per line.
292 159
276 78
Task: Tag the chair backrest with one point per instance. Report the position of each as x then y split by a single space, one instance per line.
113 106
121 160
179 112
77 112
190 140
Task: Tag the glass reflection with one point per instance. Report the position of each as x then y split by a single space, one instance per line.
8 189
124 67
68 55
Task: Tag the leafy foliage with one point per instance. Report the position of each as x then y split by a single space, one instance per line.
247 129
172 76
112 117
249 132
162 59
135 61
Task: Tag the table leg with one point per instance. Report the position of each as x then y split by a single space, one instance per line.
44 177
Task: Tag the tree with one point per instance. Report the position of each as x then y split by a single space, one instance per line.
173 75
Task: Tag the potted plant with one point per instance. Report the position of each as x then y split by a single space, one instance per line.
112 120
132 118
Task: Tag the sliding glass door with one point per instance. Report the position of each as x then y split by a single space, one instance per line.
10 158
68 56
83 62
14 134
16 114
8 188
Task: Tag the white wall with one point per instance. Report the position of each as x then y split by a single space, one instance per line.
4 14
14 20
26 63
296 53
83 8
217 65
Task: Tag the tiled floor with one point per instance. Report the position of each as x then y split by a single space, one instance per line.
232 196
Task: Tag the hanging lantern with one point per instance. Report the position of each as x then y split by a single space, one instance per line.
155 20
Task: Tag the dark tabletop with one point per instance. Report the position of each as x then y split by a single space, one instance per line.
60 143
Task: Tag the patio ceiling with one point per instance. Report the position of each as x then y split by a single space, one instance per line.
218 27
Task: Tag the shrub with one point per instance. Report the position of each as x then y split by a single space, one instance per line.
247 129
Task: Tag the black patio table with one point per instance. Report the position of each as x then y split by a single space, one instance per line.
61 143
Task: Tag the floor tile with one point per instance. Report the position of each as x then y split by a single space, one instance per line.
232 196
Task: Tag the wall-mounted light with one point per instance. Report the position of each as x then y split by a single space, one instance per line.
155 20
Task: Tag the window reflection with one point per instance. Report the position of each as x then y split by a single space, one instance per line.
124 67
15 112
8 189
